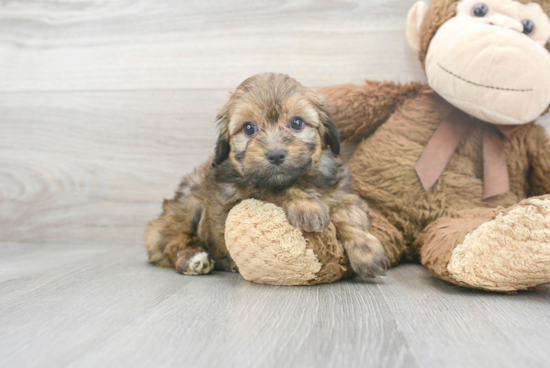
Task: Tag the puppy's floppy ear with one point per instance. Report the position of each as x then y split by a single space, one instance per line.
222 145
222 149
332 135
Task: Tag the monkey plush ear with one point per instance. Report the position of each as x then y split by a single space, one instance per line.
414 21
332 136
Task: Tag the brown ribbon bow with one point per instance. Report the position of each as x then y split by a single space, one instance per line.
445 140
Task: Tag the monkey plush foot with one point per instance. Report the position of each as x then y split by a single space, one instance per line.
510 252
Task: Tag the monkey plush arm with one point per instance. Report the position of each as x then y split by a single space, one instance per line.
539 157
358 110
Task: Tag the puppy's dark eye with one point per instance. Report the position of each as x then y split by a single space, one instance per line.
297 124
480 10
528 26
249 129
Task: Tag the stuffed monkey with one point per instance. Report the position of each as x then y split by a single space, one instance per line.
456 170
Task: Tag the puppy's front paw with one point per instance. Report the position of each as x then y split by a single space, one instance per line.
309 215
198 264
367 256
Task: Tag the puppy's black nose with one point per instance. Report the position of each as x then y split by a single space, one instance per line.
276 157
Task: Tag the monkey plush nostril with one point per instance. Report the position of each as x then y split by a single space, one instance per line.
276 157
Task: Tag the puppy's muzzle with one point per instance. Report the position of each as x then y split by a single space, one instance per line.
276 157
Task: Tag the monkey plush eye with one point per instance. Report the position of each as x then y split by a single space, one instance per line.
249 129
528 26
297 124
480 10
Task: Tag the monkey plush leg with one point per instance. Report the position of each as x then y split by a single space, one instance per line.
491 249
366 254
392 239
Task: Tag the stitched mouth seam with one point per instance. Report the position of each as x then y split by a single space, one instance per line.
482 85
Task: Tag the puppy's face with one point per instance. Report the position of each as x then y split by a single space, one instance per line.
273 131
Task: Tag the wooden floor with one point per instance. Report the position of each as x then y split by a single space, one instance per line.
104 306
104 104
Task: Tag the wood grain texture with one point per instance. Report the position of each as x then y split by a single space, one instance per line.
109 308
96 165
104 105
144 44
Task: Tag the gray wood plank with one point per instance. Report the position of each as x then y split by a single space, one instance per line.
256 325
137 44
21 260
115 310
112 309
92 166
450 326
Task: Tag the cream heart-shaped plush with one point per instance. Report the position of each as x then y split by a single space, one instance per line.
269 250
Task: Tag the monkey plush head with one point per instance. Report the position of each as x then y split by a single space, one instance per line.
489 58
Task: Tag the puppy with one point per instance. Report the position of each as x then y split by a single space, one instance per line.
276 143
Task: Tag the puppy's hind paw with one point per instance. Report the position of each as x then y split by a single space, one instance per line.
198 264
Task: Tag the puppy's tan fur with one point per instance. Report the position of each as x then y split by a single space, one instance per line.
311 185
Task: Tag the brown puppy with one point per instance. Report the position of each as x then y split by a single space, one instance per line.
277 143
